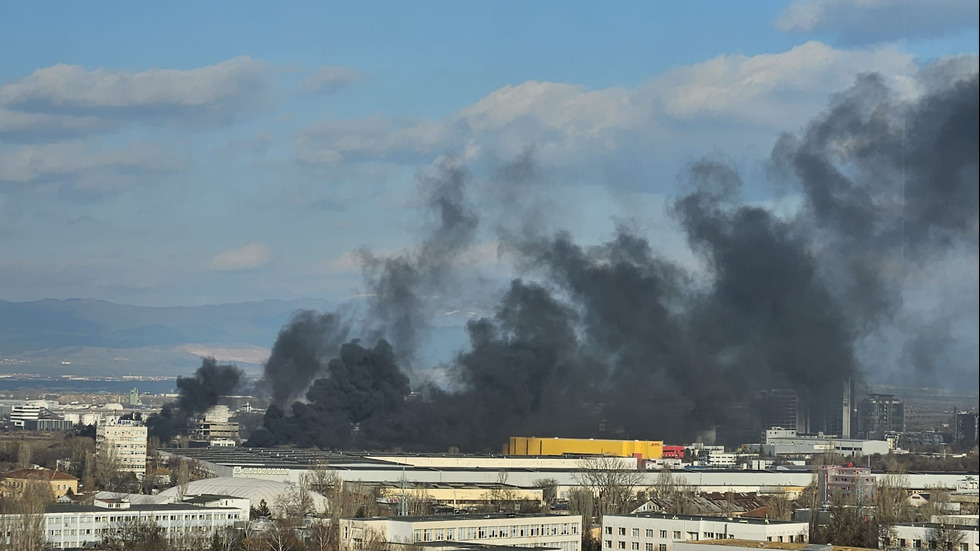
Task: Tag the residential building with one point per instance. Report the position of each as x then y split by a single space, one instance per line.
880 414
14 482
70 526
965 427
659 531
778 408
553 531
125 440
852 483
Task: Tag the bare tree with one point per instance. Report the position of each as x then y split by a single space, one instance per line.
136 534
613 486
23 517
24 455
945 536
778 506
549 490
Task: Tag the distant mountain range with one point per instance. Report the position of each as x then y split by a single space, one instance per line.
67 336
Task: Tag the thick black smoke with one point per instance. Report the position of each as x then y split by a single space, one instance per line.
617 340
197 394
402 292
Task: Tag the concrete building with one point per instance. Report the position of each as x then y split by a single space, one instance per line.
778 408
880 414
852 483
780 442
552 531
15 482
641 449
215 425
930 535
125 440
84 526
659 532
965 427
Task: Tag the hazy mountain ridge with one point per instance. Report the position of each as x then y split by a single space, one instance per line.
50 331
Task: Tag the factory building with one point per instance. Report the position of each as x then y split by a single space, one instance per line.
641 449
659 532
552 531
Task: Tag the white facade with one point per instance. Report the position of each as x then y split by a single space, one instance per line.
555 531
659 532
126 440
924 536
809 445
82 526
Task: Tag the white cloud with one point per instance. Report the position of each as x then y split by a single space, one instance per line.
570 125
218 90
87 164
249 257
330 79
870 21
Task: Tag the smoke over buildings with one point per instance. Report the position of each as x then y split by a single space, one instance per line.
619 339
196 395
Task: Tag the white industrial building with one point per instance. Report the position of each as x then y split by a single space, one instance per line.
659 532
788 442
553 531
84 526
125 440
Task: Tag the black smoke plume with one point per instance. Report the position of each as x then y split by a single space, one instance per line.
617 340
196 395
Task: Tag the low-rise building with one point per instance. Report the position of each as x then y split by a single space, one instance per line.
15 482
554 531
68 526
933 535
659 532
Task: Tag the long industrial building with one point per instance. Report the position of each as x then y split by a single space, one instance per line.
289 465
640 449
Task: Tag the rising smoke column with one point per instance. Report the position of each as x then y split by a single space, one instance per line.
196 394
302 350
617 340
891 202
402 287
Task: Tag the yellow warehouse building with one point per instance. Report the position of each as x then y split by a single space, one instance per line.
529 445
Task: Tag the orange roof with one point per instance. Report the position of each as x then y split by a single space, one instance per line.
37 474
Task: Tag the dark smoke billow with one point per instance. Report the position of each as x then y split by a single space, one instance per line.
196 395
616 339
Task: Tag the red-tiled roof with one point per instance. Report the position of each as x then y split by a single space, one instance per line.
37 474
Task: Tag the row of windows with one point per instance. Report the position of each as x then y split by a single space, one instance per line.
156 518
917 544
489 532
690 536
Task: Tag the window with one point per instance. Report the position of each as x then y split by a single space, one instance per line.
709 535
609 530
608 544
663 534
622 545
622 530
677 534
663 547
917 544
648 547
635 546
649 533
635 532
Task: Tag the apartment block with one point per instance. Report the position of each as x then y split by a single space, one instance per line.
125 440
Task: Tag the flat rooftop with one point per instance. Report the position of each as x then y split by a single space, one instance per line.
785 546
740 520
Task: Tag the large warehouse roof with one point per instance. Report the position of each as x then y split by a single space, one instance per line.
253 489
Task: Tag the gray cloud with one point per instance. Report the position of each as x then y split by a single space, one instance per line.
330 79
863 22
84 166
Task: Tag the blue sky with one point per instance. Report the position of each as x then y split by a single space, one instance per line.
205 152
